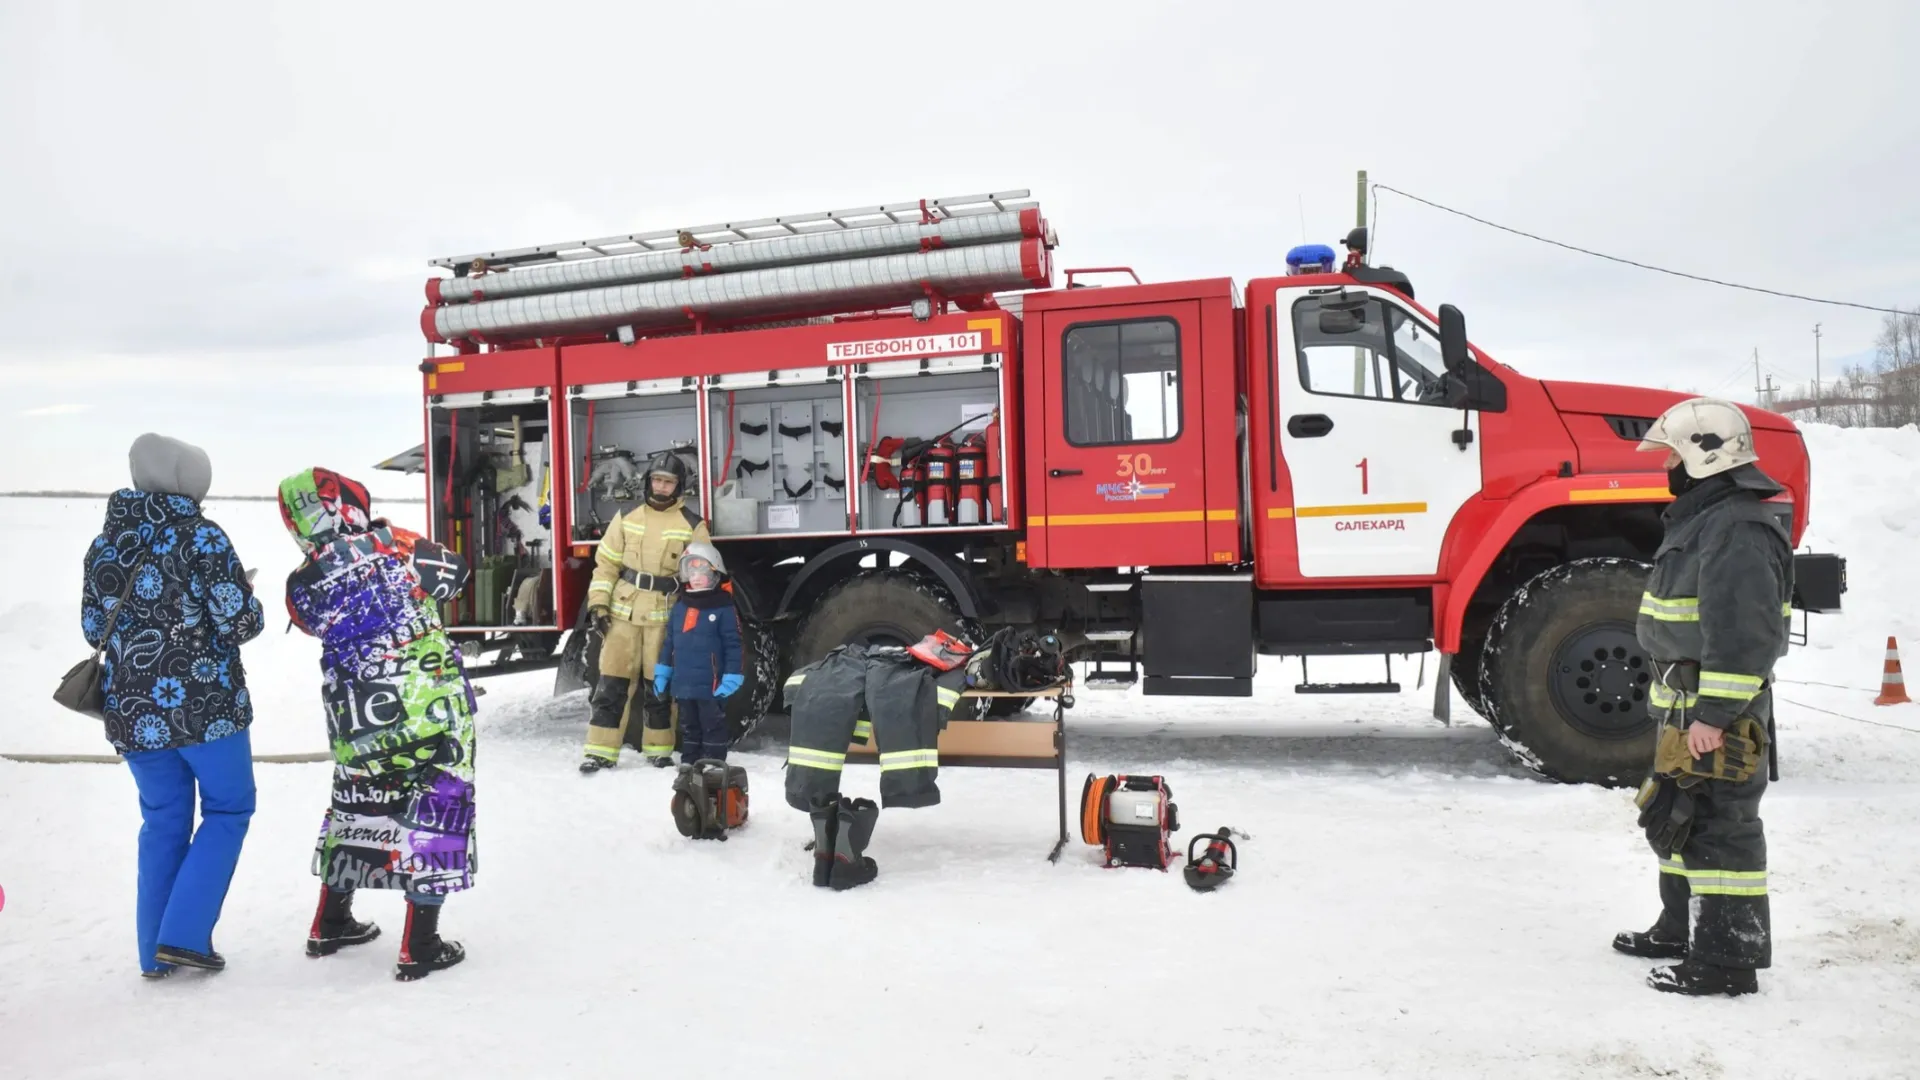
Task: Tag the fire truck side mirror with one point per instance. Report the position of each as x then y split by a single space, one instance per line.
1453 340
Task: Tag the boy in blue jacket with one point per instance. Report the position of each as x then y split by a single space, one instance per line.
700 658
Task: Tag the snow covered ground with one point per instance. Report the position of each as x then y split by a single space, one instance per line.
1410 904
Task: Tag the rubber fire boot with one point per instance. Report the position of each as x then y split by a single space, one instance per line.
422 952
334 927
1654 944
851 867
826 824
1697 978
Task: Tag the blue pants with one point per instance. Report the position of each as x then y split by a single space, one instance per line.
184 873
703 729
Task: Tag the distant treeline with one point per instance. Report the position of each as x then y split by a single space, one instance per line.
210 498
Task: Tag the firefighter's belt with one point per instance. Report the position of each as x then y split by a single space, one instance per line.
1666 813
650 582
1739 756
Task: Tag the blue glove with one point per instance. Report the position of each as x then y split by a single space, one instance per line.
728 684
661 673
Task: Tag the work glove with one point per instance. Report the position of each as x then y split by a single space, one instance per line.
729 684
661 673
1666 814
1735 762
600 619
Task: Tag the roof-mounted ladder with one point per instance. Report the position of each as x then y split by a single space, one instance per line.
734 232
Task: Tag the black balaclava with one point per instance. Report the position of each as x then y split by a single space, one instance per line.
1679 482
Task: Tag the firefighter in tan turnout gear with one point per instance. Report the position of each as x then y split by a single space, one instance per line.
1713 620
634 581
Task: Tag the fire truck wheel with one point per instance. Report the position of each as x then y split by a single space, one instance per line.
877 607
1467 662
760 663
1563 677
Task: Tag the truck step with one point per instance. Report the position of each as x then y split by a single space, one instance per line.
1348 688
1109 635
1112 681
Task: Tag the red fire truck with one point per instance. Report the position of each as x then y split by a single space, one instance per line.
896 422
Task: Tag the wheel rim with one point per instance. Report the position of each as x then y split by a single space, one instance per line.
883 634
1599 681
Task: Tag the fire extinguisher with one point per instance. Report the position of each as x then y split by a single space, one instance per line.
913 485
970 487
937 492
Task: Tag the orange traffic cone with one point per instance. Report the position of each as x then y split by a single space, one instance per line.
1893 685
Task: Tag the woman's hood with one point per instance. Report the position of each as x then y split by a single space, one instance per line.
319 506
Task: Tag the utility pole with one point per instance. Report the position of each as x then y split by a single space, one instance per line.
1816 371
1767 397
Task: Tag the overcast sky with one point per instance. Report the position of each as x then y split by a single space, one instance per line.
217 216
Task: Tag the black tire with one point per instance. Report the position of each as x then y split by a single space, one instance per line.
1563 678
878 607
1467 662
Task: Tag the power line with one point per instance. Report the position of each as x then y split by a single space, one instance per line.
1641 265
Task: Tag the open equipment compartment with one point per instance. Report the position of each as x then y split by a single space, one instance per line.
614 429
489 467
777 443
955 401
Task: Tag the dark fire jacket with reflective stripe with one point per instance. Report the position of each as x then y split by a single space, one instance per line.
1717 606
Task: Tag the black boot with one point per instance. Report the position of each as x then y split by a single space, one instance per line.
852 868
1697 978
1654 944
422 952
609 702
592 764
826 824
207 961
334 927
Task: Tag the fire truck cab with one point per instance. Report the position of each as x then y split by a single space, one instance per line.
896 423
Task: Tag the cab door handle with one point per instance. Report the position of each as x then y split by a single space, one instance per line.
1057 473
1309 425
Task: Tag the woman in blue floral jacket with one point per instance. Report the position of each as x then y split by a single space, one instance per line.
176 696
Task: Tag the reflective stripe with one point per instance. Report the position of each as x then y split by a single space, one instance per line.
909 759
1662 698
637 528
1727 882
1726 684
863 730
613 555
677 534
600 586
1673 864
624 611
657 751
794 680
808 757
1787 609
1672 609
948 698
658 615
604 753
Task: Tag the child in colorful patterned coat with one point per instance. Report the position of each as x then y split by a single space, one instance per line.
700 658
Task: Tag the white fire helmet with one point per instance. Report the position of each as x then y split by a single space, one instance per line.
701 567
1710 435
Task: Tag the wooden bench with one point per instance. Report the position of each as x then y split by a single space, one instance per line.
1003 744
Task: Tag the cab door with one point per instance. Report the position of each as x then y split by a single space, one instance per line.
1121 480
1379 464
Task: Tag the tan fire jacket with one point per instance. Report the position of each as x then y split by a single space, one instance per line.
642 542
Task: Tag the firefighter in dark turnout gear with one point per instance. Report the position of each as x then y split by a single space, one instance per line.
898 698
1713 620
